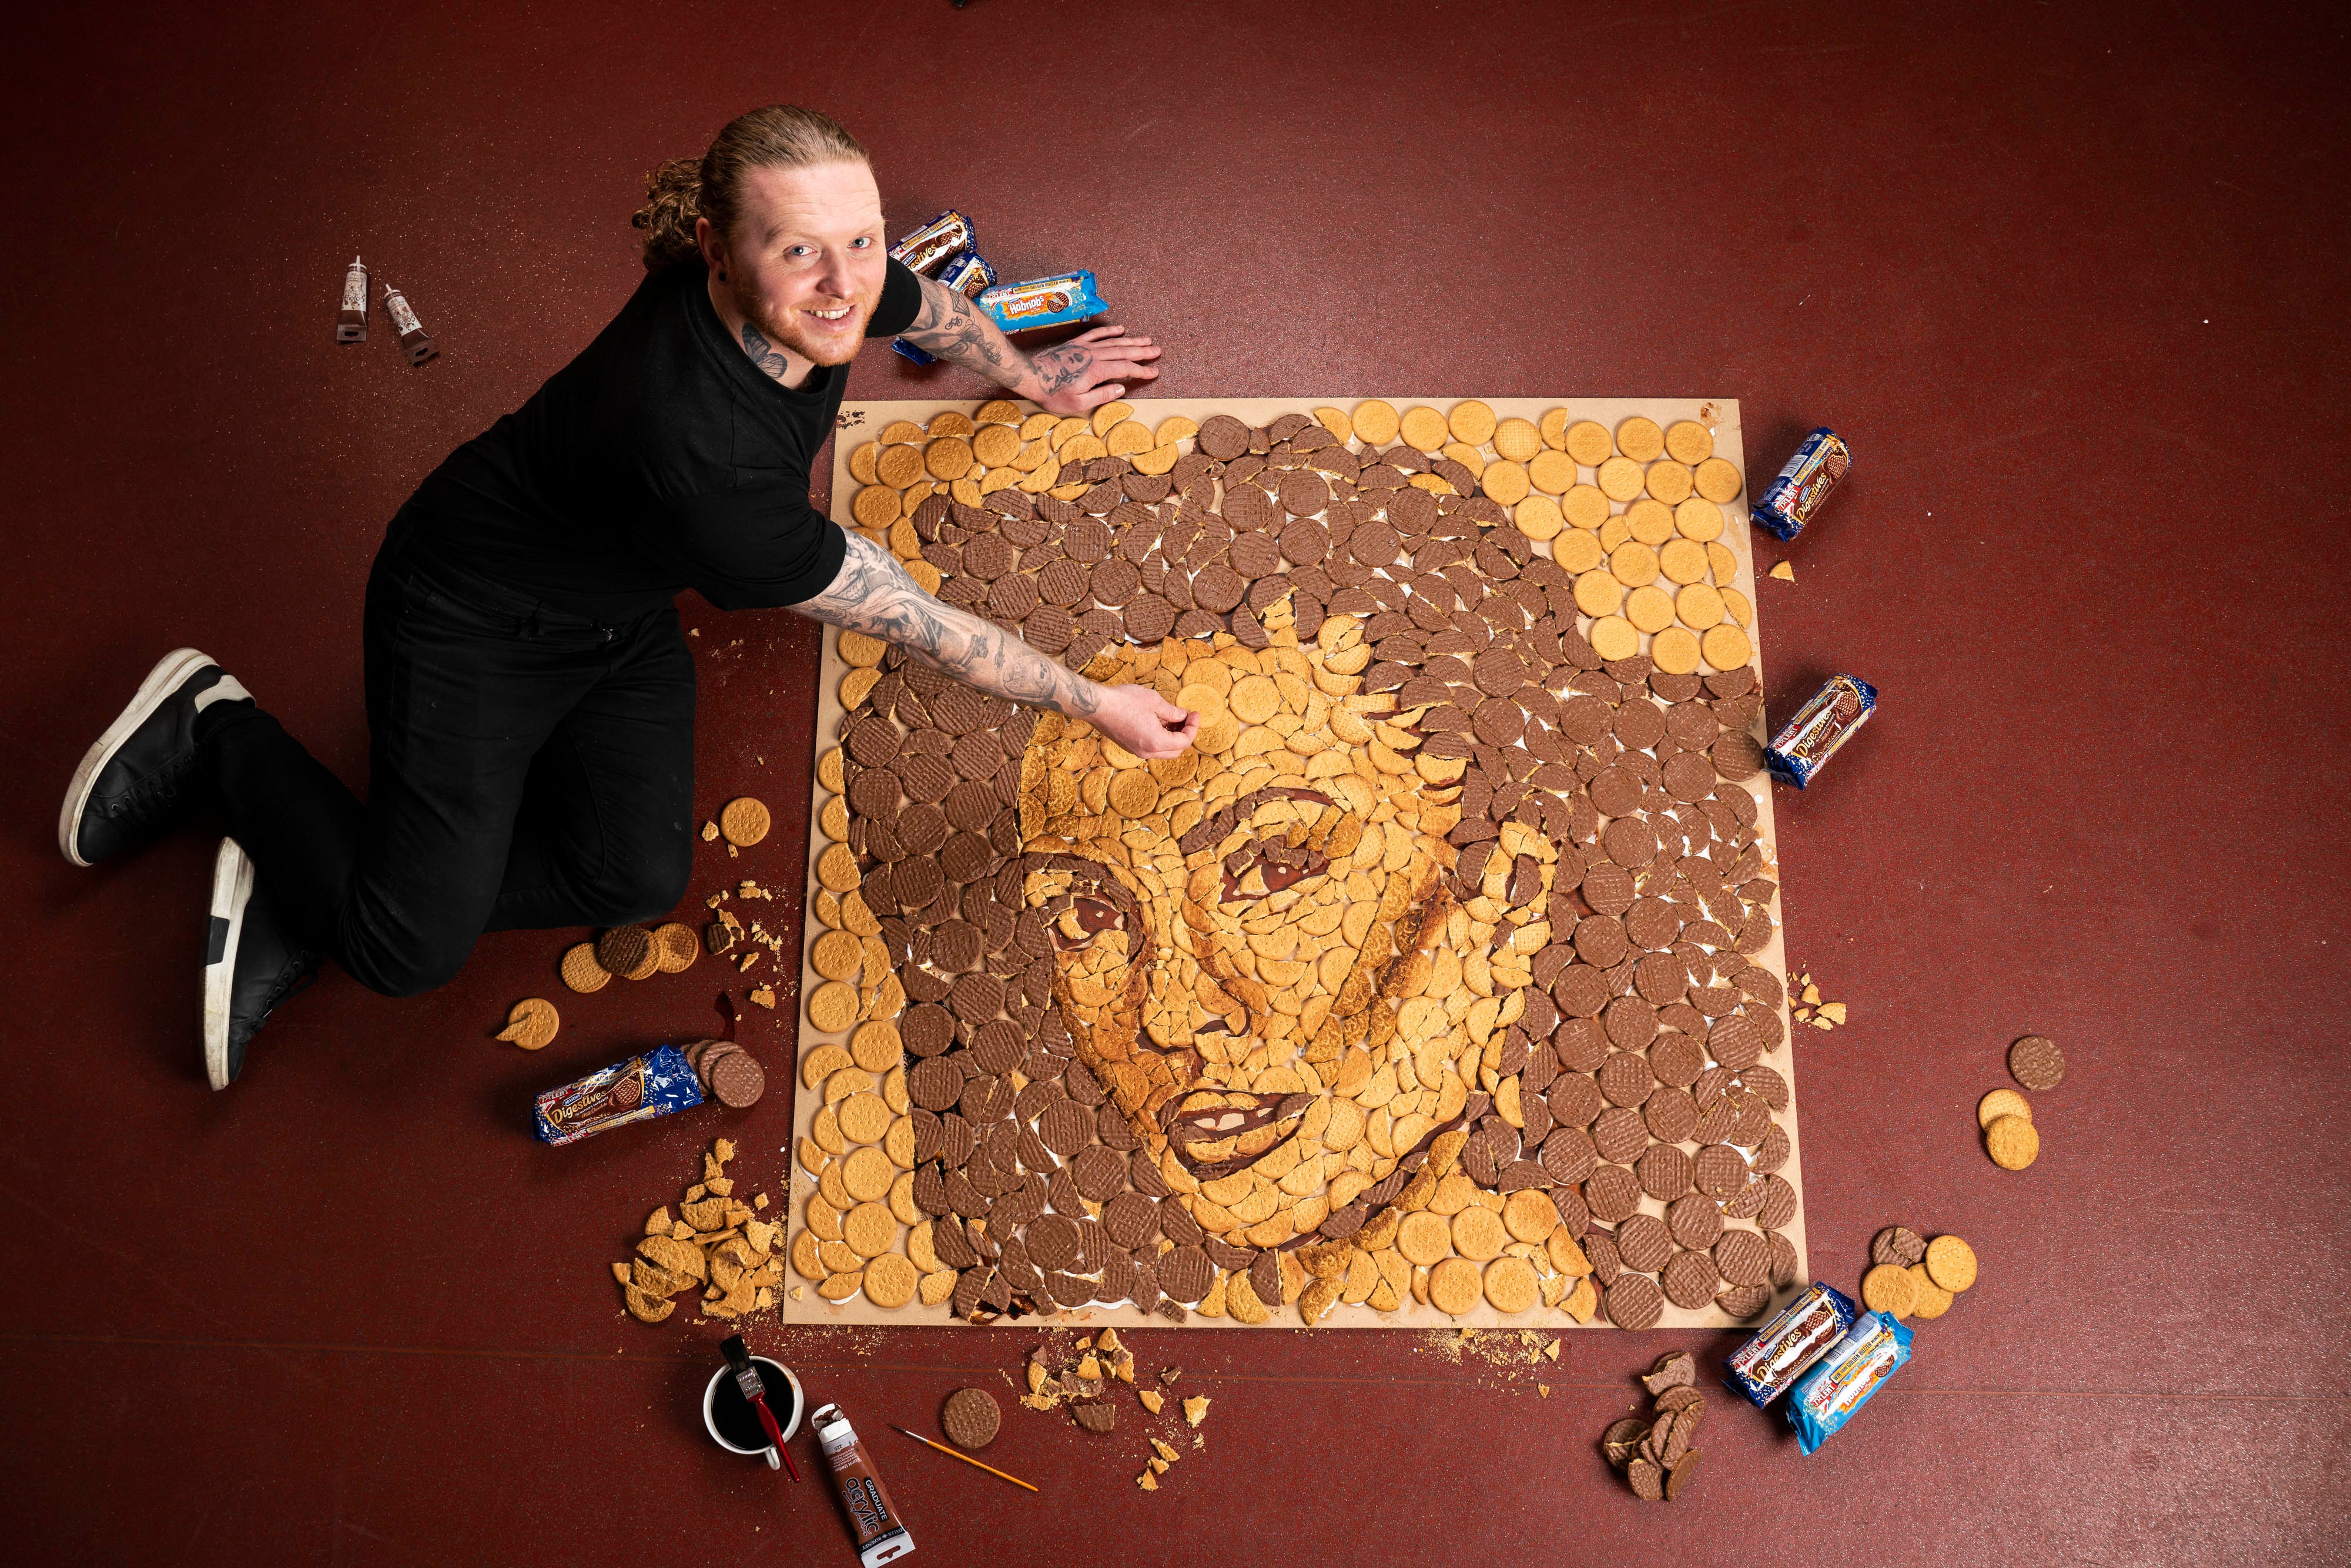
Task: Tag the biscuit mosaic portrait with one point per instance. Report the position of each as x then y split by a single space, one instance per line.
1426 980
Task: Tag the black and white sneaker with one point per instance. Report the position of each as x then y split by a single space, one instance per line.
251 965
138 777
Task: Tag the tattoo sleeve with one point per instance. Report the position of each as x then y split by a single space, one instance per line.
874 595
950 326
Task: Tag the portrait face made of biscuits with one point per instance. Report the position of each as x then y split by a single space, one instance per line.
1441 974
1260 950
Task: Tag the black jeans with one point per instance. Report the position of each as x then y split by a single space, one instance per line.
529 768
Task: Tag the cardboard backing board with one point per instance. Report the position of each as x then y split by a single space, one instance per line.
861 421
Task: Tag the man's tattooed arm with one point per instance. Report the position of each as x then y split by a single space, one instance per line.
950 326
874 595
1096 365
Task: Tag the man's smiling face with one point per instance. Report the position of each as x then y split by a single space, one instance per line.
806 258
1259 952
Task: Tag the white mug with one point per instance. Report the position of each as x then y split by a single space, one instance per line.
779 1379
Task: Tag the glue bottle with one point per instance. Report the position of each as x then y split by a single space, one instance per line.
412 337
881 1536
350 326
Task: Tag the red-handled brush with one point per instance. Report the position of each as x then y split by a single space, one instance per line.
747 1378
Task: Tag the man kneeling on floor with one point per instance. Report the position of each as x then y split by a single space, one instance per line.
529 694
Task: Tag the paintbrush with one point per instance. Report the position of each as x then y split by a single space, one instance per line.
955 1454
754 1389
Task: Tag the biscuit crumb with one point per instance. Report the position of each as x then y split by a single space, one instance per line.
1783 572
1809 1007
764 996
1195 1409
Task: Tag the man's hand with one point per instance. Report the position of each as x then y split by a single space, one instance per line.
872 593
1088 371
1139 719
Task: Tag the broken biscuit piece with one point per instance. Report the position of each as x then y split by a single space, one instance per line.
1675 1369
716 1242
531 1023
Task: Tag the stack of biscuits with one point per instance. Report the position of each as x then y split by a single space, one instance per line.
1656 1455
728 1072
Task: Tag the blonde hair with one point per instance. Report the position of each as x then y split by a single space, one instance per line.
683 189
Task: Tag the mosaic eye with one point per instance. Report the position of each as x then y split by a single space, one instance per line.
1265 866
1085 919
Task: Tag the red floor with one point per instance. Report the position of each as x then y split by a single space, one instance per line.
2070 281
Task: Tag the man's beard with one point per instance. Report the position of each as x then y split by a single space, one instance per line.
784 330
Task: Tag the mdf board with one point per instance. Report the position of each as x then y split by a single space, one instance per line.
863 422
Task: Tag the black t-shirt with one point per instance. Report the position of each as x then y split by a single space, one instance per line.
661 458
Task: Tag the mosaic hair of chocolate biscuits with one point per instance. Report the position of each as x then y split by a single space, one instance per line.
1598 800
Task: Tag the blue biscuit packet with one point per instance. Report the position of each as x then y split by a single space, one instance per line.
1841 1382
934 242
637 1090
1043 301
967 272
1805 745
1789 501
1767 1365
